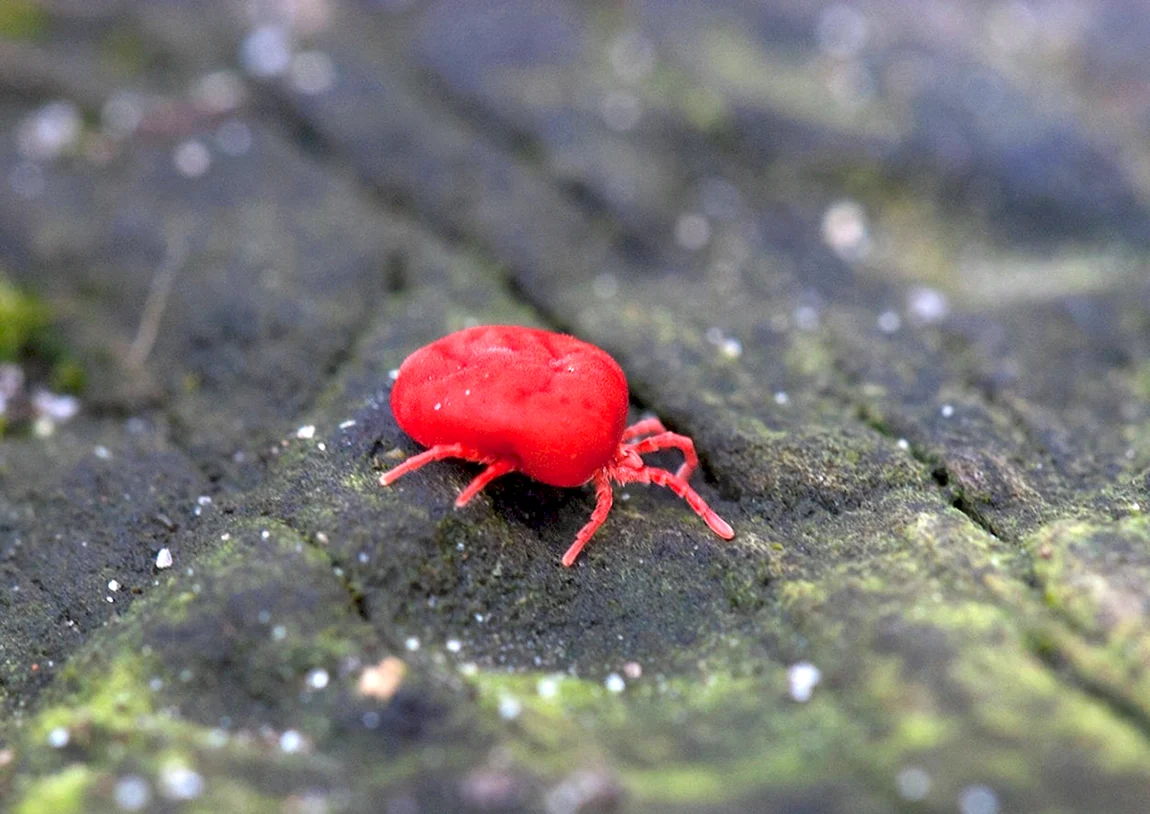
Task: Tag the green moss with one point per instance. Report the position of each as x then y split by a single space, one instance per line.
59 793
22 19
22 320
673 740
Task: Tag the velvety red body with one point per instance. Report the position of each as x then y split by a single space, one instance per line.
555 405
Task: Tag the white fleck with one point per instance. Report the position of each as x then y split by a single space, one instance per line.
363 557
132 793
547 687
279 633
49 132
109 600
121 114
318 678
479 618
57 408
467 392
605 286
306 432
903 444
312 72
841 31
180 783
113 585
226 536
393 374
412 643
453 645
621 110
509 708
889 322
234 138
926 305
438 405
913 783
732 348
806 318
692 231
346 425
218 92
265 534
291 741
947 410
615 683
781 397
58 738
845 230
266 51
802 679
191 159
102 452
321 446
164 558
978 799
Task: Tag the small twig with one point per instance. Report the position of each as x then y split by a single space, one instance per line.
175 255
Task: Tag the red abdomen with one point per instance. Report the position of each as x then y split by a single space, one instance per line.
549 401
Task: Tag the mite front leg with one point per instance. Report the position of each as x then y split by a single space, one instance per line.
605 497
438 452
646 426
670 440
495 470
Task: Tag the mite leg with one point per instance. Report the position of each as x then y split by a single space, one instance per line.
436 453
495 470
646 426
604 498
670 440
661 477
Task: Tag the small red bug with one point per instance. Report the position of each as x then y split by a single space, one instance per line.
545 404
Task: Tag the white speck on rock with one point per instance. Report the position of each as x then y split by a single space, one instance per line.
318 678
802 679
913 783
102 452
412 643
164 558
615 683
509 708
291 741
453 645
132 793
180 783
947 410
59 737
191 159
306 432
978 799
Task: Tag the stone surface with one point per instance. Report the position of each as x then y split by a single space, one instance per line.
886 268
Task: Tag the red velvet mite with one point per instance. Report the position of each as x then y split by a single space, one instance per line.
545 404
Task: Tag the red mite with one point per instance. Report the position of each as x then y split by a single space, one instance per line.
537 402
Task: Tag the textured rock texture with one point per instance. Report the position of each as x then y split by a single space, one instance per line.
886 262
